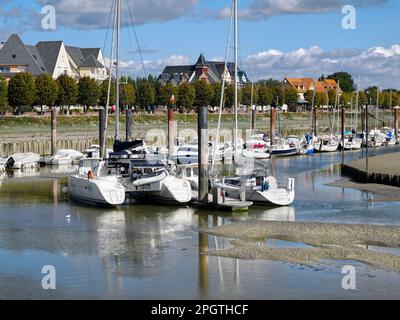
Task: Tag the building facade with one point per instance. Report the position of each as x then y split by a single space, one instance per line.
208 71
302 85
51 57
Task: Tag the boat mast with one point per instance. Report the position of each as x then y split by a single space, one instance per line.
104 142
235 5
118 3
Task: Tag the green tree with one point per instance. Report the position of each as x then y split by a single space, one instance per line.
3 95
147 94
346 99
230 96
21 91
104 93
396 99
387 99
362 98
265 95
204 93
89 92
248 92
321 99
373 94
46 90
68 91
345 79
186 95
309 96
332 97
291 96
216 94
127 95
166 93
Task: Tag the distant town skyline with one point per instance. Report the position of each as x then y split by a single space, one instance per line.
300 38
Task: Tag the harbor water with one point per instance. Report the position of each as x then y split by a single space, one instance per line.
156 252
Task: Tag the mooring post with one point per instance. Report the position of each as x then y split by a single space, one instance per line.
272 126
171 131
315 121
128 125
396 122
366 145
53 131
203 154
343 131
253 118
102 126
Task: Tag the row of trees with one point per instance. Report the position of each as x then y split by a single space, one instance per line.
25 91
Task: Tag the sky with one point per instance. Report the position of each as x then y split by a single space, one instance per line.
277 38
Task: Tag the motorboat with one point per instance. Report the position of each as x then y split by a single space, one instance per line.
65 157
351 142
22 161
283 148
94 152
186 154
390 137
258 154
151 182
326 144
92 185
259 189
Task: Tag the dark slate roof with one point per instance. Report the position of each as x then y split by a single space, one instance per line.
76 54
36 55
174 74
49 51
14 52
86 57
91 62
86 52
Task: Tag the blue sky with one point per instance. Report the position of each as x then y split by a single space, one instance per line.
176 31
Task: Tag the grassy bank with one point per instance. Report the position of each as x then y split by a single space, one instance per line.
33 126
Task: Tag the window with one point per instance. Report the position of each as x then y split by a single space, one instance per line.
4 69
14 56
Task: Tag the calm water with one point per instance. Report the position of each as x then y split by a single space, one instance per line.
155 252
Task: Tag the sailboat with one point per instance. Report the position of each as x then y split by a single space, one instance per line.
350 141
92 184
327 143
259 186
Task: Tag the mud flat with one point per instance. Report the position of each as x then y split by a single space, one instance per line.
384 169
327 241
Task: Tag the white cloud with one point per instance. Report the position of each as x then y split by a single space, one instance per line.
95 13
376 66
262 9
154 67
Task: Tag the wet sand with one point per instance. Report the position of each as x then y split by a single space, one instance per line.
328 241
388 164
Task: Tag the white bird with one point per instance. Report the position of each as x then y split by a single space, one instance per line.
68 216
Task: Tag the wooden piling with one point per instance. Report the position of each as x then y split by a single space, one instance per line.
203 154
272 126
128 128
102 126
253 118
53 131
171 131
